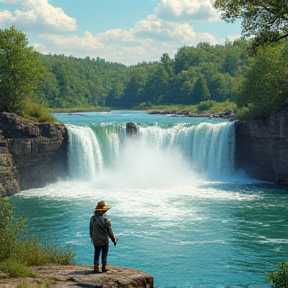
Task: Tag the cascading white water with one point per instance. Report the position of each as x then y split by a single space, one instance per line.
210 147
85 156
206 148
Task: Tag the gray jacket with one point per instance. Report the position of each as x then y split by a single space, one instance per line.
101 230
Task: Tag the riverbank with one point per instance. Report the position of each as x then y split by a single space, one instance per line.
226 114
213 108
55 276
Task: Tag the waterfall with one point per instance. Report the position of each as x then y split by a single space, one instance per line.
84 157
208 148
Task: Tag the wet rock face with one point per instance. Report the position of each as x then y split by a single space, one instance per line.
39 151
262 148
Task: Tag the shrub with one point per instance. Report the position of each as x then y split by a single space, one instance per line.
145 105
10 230
18 248
32 111
279 279
205 105
33 252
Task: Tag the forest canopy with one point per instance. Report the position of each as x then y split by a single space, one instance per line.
20 69
204 74
195 74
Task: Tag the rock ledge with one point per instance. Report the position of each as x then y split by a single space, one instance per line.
83 276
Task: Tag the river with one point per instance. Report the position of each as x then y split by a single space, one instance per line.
180 210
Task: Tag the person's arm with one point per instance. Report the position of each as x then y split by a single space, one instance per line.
111 235
91 227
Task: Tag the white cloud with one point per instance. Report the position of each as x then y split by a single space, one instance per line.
147 41
87 43
39 47
165 31
39 15
186 11
5 18
11 1
159 30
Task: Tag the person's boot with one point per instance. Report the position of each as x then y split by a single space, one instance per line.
104 269
96 268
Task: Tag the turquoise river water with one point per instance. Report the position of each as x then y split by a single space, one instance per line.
181 211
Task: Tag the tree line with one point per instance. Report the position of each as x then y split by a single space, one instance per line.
252 73
196 74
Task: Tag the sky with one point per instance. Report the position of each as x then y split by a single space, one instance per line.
123 31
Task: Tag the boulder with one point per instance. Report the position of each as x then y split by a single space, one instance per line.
131 128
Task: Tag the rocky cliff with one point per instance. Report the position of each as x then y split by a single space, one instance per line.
262 148
31 154
9 177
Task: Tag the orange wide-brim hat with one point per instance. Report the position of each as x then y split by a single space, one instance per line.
101 207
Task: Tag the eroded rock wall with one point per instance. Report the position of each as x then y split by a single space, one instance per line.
39 151
262 148
9 177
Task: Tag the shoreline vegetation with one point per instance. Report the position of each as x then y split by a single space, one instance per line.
19 251
209 109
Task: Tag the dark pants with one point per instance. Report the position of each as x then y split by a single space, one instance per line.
104 249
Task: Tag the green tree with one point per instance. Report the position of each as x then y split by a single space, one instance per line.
201 91
259 17
156 85
264 91
20 69
220 87
168 63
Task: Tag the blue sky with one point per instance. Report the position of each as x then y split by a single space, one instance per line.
124 31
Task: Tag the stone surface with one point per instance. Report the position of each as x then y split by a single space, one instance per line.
9 177
83 276
131 128
39 151
262 148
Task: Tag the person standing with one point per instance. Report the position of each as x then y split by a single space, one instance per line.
100 232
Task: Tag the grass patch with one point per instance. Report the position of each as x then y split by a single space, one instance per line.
77 110
206 107
32 111
34 285
15 269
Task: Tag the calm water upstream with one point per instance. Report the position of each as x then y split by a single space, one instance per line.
181 212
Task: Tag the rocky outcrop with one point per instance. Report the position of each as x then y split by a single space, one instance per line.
39 153
82 276
131 128
9 177
262 148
